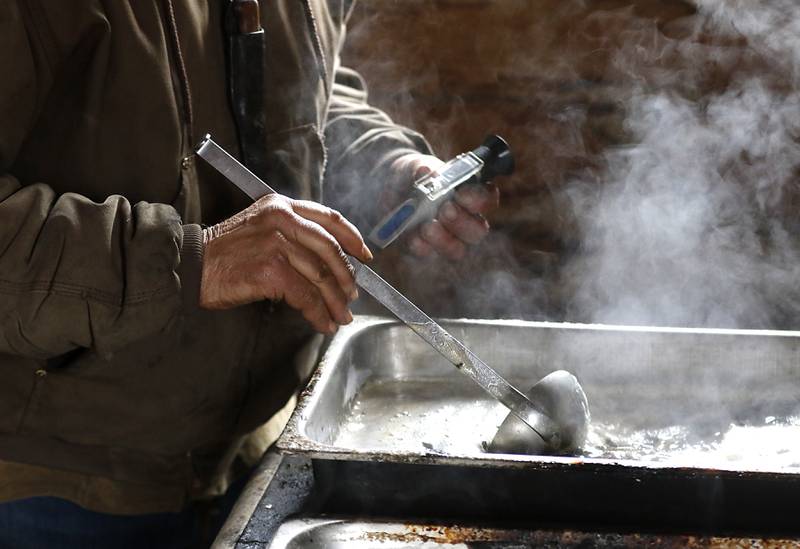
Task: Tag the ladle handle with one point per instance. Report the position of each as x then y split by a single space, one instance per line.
424 326
456 352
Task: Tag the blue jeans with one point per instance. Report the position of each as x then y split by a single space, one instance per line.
52 523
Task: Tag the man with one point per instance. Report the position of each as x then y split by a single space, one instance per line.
148 314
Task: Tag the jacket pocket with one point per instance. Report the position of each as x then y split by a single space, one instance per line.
165 395
21 378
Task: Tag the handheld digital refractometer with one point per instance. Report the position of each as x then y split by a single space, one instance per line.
491 159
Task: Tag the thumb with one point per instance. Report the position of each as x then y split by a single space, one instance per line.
422 171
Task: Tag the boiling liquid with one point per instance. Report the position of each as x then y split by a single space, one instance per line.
437 416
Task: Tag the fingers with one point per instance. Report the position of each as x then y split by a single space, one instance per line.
316 239
459 223
315 271
300 294
465 226
441 240
478 199
335 223
420 248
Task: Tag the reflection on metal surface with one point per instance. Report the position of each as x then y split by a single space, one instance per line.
420 415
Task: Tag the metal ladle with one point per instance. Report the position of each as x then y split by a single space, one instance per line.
552 418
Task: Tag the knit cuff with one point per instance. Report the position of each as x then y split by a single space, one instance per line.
190 269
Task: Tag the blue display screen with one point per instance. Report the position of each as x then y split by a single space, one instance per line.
396 221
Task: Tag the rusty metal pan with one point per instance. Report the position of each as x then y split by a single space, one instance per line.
332 533
660 398
703 423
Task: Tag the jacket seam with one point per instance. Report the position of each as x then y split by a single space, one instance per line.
177 64
73 290
322 65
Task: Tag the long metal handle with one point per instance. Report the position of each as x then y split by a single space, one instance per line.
456 352
423 325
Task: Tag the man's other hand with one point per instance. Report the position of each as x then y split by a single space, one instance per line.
460 223
284 249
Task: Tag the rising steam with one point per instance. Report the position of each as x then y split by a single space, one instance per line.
692 223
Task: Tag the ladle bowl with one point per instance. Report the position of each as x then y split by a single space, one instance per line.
560 396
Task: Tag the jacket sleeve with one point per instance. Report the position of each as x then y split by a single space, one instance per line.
75 273
362 142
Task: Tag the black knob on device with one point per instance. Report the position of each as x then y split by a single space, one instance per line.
496 156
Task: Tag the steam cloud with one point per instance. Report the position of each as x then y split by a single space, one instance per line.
692 224
692 221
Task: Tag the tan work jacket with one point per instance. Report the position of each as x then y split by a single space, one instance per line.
109 374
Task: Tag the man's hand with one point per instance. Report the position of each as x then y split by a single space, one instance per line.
459 223
280 248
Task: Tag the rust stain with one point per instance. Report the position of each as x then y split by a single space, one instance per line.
453 535
447 535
